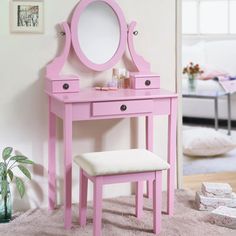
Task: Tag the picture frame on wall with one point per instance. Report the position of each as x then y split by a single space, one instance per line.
27 16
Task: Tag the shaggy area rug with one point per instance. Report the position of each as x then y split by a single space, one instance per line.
119 219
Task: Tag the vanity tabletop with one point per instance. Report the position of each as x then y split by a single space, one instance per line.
92 95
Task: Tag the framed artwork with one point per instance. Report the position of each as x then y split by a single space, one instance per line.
27 16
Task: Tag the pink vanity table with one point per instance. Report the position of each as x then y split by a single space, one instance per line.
70 104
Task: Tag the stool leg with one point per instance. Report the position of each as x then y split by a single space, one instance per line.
150 189
97 206
157 202
139 200
83 188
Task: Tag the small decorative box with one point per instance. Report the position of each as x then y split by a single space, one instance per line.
224 216
216 190
144 81
63 84
210 203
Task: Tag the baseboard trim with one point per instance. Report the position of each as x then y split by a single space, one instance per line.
207 121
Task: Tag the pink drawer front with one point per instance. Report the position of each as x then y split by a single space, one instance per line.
149 82
62 86
122 107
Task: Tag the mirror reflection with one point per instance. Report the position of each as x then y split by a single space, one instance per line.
99 32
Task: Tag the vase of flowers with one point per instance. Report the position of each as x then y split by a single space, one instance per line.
5 203
7 167
193 71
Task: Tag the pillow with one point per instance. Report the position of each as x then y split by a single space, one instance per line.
213 73
206 142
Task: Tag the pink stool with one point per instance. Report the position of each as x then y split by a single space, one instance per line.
136 165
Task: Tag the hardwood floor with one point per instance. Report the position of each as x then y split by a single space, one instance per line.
194 181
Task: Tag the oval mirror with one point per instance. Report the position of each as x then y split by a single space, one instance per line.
99 33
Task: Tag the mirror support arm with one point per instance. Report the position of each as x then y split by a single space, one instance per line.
141 64
54 68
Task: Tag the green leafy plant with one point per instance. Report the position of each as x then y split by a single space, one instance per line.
7 166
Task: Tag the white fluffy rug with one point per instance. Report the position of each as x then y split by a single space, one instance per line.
119 220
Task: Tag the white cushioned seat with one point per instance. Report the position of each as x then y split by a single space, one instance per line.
118 162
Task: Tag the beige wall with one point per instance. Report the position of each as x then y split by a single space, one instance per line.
23 104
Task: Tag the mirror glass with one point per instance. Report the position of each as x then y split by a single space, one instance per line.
98 32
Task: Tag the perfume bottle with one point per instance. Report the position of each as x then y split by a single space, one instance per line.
120 78
127 80
122 75
115 78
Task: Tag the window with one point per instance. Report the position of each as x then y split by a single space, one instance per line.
189 17
207 17
213 17
232 17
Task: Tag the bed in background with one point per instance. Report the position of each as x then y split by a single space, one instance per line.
215 55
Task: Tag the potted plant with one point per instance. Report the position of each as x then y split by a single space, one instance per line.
7 166
193 71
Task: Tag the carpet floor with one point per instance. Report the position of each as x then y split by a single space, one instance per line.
119 219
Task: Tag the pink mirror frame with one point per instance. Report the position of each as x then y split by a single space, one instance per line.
54 68
123 35
141 64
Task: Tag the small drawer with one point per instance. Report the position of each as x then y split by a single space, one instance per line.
122 107
62 85
139 81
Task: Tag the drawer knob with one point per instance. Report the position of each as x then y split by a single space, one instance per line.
147 82
123 108
65 86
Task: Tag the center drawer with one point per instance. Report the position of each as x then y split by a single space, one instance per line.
122 107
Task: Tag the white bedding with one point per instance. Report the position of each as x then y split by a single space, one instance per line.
204 85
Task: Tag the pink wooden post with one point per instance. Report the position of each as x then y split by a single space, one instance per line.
54 68
139 200
83 189
149 146
171 156
51 158
67 127
97 209
141 64
157 202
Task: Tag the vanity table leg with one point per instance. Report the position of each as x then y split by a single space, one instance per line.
51 158
67 134
149 146
172 123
